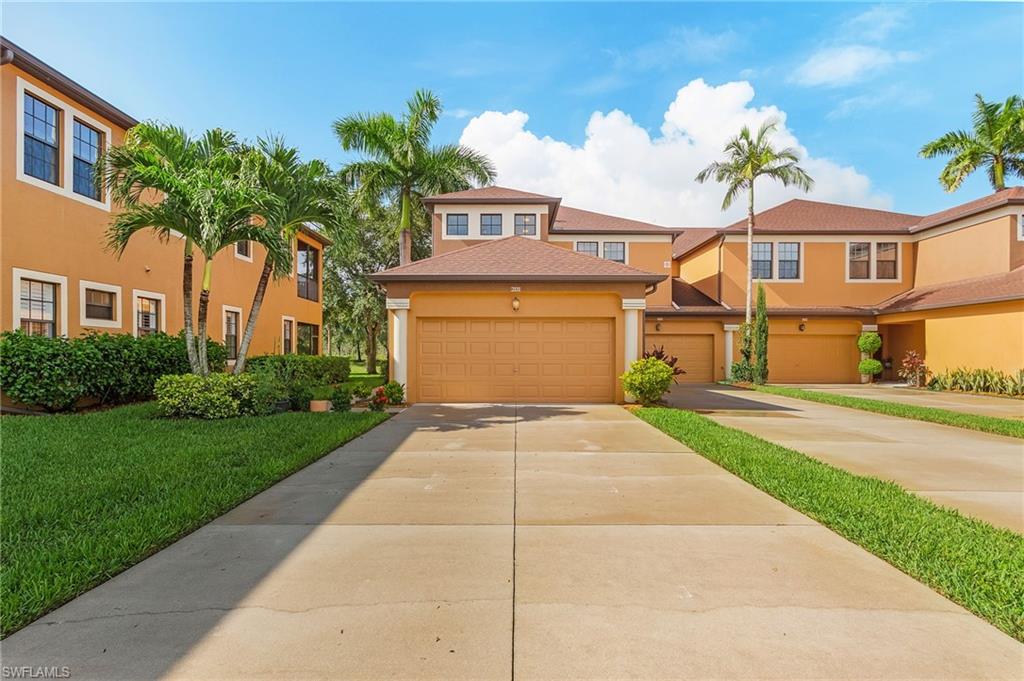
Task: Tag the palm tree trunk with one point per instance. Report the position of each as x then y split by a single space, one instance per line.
750 249
254 311
204 305
186 295
999 174
405 233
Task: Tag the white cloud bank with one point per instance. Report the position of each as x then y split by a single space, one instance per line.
622 170
837 66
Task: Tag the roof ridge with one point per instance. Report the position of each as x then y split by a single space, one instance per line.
440 256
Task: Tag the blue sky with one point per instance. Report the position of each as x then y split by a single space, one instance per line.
860 86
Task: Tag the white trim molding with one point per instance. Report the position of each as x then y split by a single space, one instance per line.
873 261
17 274
634 303
396 303
85 320
65 144
868 327
139 293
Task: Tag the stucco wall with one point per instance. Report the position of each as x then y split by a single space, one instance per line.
700 268
973 251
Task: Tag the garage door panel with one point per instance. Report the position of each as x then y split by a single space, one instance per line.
815 358
696 354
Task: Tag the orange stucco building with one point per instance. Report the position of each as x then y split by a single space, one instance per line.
58 277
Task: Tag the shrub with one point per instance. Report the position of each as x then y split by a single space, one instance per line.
44 372
299 395
742 372
913 369
216 396
378 399
869 343
647 380
760 373
659 353
341 398
980 381
313 369
394 391
869 367
361 390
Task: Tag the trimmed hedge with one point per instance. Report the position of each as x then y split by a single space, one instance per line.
217 396
56 374
311 369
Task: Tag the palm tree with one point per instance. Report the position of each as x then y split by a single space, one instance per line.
202 190
749 157
400 165
996 144
302 192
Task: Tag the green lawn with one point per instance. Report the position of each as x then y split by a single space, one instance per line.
969 561
324 392
86 496
987 424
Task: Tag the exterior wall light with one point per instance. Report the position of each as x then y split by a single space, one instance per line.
515 304
657 327
802 327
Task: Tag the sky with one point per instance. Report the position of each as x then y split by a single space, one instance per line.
613 106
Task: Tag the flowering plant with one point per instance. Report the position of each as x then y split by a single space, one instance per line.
378 399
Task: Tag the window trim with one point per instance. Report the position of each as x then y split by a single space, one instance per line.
239 330
872 261
140 293
447 227
240 256
65 137
85 320
501 225
17 274
290 321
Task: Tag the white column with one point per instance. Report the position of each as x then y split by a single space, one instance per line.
634 308
729 328
399 308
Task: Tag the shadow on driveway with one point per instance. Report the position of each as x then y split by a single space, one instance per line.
714 397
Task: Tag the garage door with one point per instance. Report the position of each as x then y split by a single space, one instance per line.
696 353
524 360
813 359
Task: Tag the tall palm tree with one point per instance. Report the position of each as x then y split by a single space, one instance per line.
202 190
996 144
302 193
749 157
399 163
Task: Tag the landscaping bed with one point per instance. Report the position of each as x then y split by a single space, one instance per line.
86 496
968 561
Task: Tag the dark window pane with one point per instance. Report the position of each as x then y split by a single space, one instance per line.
885 261
38 308
490 225
86 152
457 224
762 261
860 261
309 339
587 247
148 316
243 248
231 334
306 271
99 304
41 154
286 337
526 224
789 261
615 250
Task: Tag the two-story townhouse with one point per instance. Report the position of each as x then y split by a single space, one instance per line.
526 299
53 222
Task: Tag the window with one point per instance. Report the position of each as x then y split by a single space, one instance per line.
309 339
307 265
41 142
885 261
526 224
243 249
587 247
38 308
1020 227
87 144
860 260
615 250
99 304
789 261
457 224
231 333
147 312
286 337
490 224
761 255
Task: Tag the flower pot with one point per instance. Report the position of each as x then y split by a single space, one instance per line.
319 405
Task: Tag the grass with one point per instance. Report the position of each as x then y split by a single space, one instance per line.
969 561
986 424
324 392
86 496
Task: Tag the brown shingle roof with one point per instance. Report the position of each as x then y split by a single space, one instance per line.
579 220
691 239
987 289
1000 198
482 194
515 258
815 217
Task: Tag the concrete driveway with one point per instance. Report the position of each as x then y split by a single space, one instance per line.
514 542
982 405
982 475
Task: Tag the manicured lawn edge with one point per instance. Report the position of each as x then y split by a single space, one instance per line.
86 496
985 424
972 563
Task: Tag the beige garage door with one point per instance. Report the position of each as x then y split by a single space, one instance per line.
696 353
813 359
524 360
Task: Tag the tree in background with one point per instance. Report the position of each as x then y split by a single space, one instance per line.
761 338
399 165
749 157
996 144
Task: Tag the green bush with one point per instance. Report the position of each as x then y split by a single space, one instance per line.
869 342
760 373
45 372
647 380
216 396
361 390
341 398
869 367
980 381
394 391
300 394
742 372
313 369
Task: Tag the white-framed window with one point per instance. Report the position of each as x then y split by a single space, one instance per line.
761 260
149 312
243 250
99 305
40 302
587 248
457 224
287 335
789 260
490 224
58 146
777 261
526 224
873 261
615 250
231 330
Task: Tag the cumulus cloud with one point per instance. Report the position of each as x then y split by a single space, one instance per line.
835 66
624 170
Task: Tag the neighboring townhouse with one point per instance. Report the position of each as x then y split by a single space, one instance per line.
526 299
53 223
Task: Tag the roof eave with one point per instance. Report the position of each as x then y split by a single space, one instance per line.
665 231
1009 201
385 277
940 306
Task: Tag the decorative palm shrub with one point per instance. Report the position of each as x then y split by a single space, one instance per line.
912 369
980 381
647 380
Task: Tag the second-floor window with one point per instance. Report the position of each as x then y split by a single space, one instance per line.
490 224
860 260
42 146
306 271
885 261
457 224
243 249
761 267
587 247
87 144
526 224
789 261
615 250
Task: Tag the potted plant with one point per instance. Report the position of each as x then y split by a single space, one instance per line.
869 368
869 343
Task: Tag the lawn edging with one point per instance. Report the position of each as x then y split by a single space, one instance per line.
946 417
972 563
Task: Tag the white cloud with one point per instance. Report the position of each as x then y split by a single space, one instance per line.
458 113
623 170
899 96
835 66
877 23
